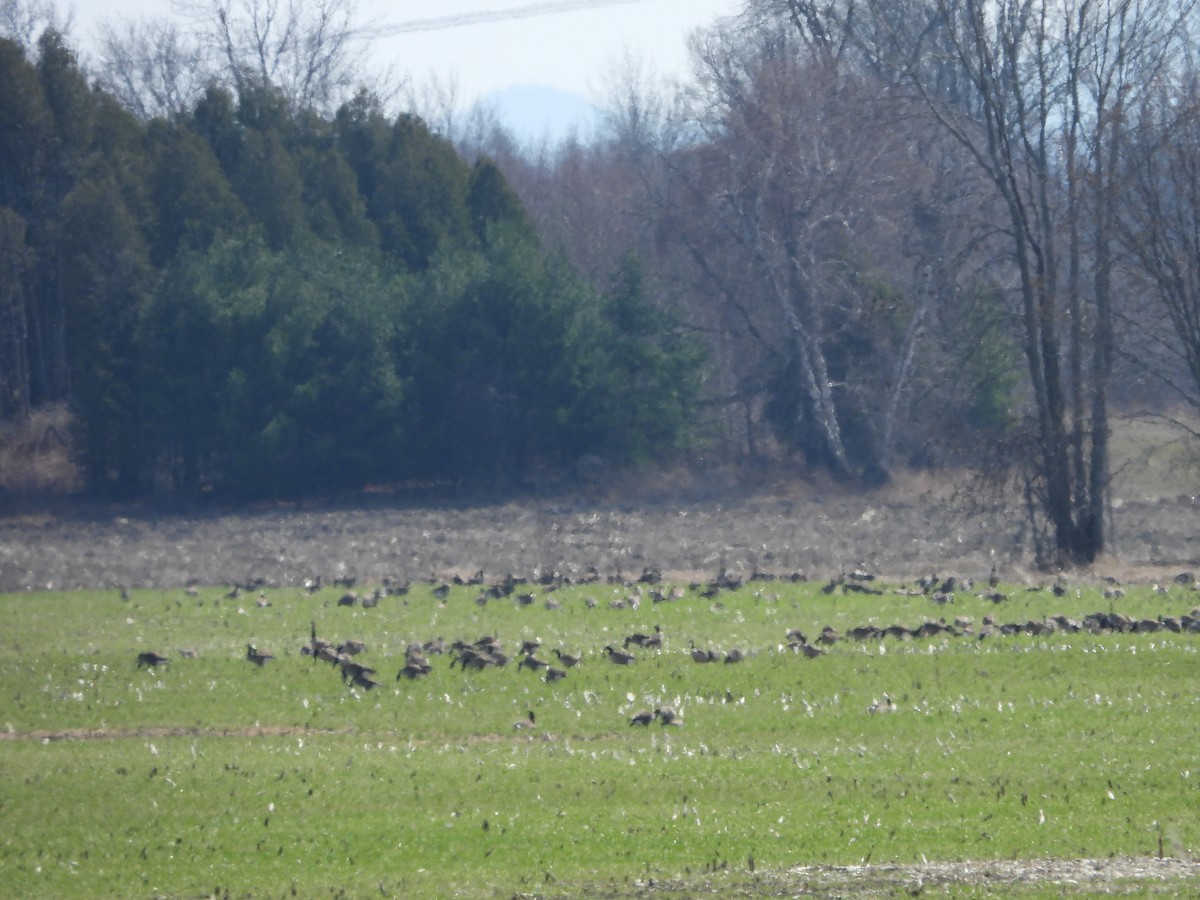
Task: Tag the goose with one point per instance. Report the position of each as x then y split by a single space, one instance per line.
522 724
256 656
668 716
410 671
417 662
532 662
364 681
318 648
645 717
566 658
828 635
353 671
734 655
620 657
863 632
702 656
809 651
151 659
553 674
415 656
882 706
530 647
646 640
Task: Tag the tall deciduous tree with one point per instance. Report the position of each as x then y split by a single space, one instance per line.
1159 224
1051 84
788 210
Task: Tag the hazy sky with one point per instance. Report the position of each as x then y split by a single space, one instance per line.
568 44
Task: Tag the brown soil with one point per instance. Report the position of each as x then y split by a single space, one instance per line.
914 526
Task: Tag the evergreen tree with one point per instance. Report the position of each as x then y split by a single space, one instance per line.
106 276
191 199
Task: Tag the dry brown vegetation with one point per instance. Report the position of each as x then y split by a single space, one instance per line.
35 454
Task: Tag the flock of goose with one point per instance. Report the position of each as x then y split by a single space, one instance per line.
487 651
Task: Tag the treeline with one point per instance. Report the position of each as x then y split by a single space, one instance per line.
863 236
263 300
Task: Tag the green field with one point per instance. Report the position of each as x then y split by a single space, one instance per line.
212 776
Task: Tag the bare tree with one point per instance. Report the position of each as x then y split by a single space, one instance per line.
152 67
23 21
1159 226
303 49
1051 84
805 180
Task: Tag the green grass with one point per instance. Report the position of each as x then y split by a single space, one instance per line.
216 776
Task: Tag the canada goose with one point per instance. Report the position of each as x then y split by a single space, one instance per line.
351 648
416 661
553 674
863 632
348 599
470 658
645 717
436 646
566 658
150 658
702 656
412 672
256 656
828 635
352 670
522 724
882 706
532 662
442 591
734 655
620 657
809 651
646 640
796 636
319 648
530 647
326 652
364 680
668 716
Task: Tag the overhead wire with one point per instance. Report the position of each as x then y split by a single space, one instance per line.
480 17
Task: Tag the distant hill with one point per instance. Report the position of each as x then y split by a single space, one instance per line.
536 111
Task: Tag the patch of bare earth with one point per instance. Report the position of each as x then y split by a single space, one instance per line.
1116 876
916 525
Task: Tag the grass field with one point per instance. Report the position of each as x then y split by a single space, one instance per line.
210 776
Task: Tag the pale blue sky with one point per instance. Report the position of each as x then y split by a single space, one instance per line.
571 50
